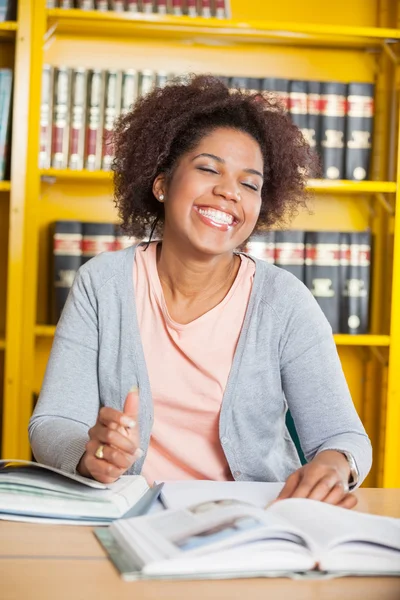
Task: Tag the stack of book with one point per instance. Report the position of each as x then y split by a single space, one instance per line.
334 265
6 79
192 8
79 108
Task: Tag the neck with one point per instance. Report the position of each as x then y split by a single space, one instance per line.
194 278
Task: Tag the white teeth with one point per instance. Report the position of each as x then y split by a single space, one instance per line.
217 215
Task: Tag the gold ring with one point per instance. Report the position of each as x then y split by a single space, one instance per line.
99 452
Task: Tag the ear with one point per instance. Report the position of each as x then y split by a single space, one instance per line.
159 187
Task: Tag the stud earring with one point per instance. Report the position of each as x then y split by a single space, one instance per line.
161 197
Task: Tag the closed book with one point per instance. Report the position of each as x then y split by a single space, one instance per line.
162 78
314 115
355 267
205 8
290 252
238 83
46 110
132 6
253 85
360 115
97 238
262 245
191 7
220 9
298 98
117 5
6 80
322 272
94 119
67 254
161 7
147 81
61 114
333 123
8 10
51 3
111 112
279 87
66 3
130 90
86 4
147 6
102 5
78 119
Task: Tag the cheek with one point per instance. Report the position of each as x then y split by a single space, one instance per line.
252 210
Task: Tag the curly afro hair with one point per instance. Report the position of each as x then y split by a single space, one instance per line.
171 121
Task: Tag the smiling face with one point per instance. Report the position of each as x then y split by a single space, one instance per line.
213 199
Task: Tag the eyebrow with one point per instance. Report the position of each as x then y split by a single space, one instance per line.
221 160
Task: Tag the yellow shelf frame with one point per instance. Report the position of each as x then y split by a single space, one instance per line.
8 30
314 185
2 344
75 21
341 339
5 186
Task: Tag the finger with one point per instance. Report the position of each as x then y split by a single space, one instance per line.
114 418
324 488
348 501
337 493
131 409
291 484
101 470
111 455
111 437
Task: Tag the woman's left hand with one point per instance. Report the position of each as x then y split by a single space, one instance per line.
325 478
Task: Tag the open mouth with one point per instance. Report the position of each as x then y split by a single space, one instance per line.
216 218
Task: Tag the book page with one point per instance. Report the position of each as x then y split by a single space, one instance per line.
28 469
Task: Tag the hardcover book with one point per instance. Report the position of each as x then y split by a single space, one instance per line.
61 115
46 111
355 267
96 238
360 113
279 87
67 255
333 122
78 119
290 251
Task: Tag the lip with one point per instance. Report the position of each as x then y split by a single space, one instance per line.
223 210
223 227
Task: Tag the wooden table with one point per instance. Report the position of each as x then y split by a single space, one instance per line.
50 562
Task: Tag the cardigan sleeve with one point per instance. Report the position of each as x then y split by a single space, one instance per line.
315 387
69 400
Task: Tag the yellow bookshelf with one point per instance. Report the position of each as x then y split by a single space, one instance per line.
356 42
5 186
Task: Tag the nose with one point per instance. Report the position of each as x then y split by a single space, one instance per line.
228 190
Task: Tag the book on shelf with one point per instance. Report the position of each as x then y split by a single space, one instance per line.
290 251
262 245
222 539
78 110
94 120
298 106
314 115
355 263
322 272
6 92
61 118
333 122
97 238
30 491
279 87
359 123
194 8
8 10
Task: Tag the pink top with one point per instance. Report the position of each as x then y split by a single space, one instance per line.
188 367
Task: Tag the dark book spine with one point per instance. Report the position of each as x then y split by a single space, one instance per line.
61 113
278 87
333 122
11 10
360 113
322 272
238 83
262 245
298 97
290 252
97 238
253 85
67 253
314 115
356 273
78 114
46 107
86 4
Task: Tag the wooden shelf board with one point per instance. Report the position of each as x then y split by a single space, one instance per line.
341 339
315 185
5 186
2 344
8 29
75 22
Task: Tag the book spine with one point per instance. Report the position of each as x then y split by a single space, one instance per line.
60 129
51 4
290 252
147 82
322 272
130 90
147 7
298 97
97 238
66 3
132 6
205 9
67 254
278 87
112 102
177 8
117 5
333 111
262 246
102 5
162 78
314 115
253 85
238 83
85 4
161 7
11 10
220 11
360 113
78 114
93 120
356 257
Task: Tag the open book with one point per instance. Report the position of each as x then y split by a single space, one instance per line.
34 492
228 539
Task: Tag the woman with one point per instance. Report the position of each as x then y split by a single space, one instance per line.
178 359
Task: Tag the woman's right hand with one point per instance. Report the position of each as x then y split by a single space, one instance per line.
113 446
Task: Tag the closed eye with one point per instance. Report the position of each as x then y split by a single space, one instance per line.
208 170
252 186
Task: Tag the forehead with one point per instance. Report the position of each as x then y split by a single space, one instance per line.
232 146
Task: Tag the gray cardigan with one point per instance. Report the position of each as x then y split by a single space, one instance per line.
285 357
